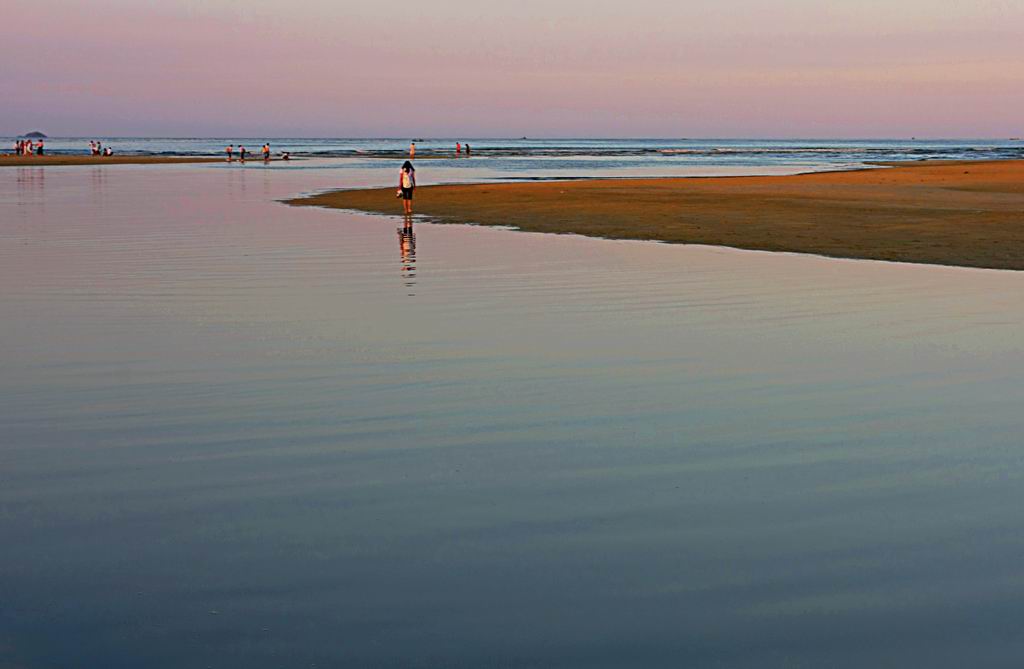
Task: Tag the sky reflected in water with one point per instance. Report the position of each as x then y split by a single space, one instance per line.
239 434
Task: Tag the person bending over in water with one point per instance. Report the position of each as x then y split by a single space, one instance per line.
406 185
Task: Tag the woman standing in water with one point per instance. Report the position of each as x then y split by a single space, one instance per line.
406 185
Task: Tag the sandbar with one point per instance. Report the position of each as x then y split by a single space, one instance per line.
968 213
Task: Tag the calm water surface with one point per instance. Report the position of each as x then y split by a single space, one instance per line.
239 434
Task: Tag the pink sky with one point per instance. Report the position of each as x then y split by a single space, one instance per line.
570 68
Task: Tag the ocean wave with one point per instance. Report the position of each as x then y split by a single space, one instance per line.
551 151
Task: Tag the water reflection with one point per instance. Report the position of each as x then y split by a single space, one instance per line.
31 185
407 248
743 459
98 186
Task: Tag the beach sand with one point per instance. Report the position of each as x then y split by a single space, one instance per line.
940 212
8 160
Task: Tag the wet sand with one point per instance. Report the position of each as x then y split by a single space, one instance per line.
9 160
939 212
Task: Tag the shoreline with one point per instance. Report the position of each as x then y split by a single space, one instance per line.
959 213
9 160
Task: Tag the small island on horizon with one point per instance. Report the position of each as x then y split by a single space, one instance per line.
35 134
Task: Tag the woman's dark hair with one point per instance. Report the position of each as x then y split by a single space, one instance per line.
408 166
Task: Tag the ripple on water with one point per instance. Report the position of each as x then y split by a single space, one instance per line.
357 447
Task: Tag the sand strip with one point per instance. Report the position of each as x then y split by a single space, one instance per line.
949 213
39 161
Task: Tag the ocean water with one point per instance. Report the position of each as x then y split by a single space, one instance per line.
579 156
235 433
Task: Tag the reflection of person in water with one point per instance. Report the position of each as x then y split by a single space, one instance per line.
407 247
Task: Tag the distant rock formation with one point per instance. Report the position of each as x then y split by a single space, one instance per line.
35 134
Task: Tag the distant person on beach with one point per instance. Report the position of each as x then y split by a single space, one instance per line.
412 150
92 148
241 154
39 148
458 148
17 147
266 153
108 151
285 155
99 149
406 185
467 149
229 150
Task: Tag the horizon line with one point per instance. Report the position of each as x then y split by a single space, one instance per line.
457 138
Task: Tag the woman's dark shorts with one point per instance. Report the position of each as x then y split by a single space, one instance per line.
406 193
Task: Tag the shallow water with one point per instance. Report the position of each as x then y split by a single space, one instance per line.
239 434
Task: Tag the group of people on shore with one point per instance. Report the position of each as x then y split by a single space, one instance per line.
97 149
459 146
230 150
26 147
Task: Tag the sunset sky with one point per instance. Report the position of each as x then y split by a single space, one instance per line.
557 68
